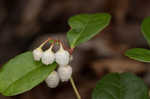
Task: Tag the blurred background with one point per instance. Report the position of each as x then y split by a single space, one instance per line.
24 24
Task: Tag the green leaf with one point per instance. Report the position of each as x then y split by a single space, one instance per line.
146 29
139 54
85 26
22 73
120 86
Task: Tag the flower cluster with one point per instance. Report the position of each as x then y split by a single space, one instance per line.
61 57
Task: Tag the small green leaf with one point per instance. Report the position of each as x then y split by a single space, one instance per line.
85 26
146 29
22 73
139 54
120 86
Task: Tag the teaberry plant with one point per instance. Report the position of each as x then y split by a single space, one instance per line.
27 70
141 54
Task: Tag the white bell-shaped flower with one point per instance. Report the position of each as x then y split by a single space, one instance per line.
48 57
65 72
52 80
37 54
62 56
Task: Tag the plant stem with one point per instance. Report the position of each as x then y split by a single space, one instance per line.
75 88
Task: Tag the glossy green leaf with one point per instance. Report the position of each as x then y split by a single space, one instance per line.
22 73
146 29
139 54
85 26
120 86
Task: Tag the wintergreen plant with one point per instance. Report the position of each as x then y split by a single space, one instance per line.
27 70
141 54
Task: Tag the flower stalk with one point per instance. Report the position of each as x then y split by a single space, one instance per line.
75 88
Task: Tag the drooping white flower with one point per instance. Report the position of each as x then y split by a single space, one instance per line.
62 56
52 80
48 56
65 72
37 54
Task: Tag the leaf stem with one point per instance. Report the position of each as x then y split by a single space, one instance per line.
75 88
